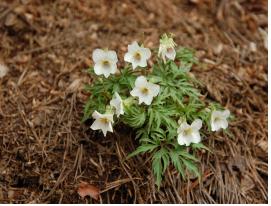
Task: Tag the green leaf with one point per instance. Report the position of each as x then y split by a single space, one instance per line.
160 157
186 56
151 117
142 149
134 116
200 146
157 171
191 167
177 163
187 155
166 161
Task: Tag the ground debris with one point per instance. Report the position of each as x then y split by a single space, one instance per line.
85 189
45 51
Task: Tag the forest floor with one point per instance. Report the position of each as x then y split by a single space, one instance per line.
46 151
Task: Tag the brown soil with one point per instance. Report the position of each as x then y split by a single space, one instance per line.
46 151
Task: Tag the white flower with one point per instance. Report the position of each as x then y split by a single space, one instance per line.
105 62
166 48
137 55
170 53
102 122
188 134
117 104
145 90
219 119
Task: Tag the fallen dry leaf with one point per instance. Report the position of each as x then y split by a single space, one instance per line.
85 189
264 35
247 184
75 85
218 48
263 145
3 70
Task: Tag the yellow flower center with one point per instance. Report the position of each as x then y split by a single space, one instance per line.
137 56
106 64
216 119
104 120
144 90
187 131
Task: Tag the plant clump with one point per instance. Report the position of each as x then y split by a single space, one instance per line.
162 103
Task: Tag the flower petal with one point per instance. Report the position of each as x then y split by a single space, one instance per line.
109 117
146 52
128 57
223 124
181 140
117 95
133 47
106 127
106 72
96 115
195 138
154 89
96 125
171 55
184 139
226 113
216 114
135 92
117 104
214 127
141 81
182 127
146 99
110 128
98 68
141 63
197 124
112 55
113 69
98 54
134 64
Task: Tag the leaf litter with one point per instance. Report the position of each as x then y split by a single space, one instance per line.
46 151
